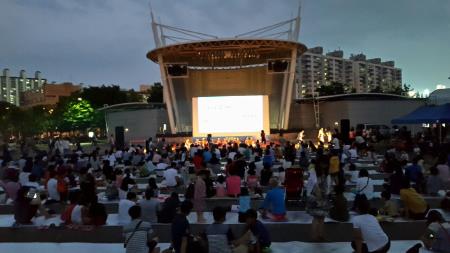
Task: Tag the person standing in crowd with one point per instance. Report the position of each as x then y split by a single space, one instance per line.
112 142
273 206
263 137
334 166
180 228
169 208
124 206
139 235
150 207
199 197
317 204
368 234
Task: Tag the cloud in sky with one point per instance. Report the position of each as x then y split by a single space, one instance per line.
105 41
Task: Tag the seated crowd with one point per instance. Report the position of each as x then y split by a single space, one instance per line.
72 181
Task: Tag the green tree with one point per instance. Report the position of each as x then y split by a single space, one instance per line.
155 94
99 96
377 89
334 88
79 114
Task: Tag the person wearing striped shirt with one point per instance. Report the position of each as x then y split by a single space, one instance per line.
138 234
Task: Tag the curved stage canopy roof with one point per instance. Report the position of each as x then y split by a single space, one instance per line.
226 52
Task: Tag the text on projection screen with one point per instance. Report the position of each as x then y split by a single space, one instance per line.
230 114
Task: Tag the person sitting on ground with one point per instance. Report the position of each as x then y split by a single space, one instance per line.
150 207
339 211
219 235
268 158
180 228
434 182
98 214
11 185
274 207
390 207
436 237
266 174
368 234
444 170
244 203
415 206
262 240
139 235
445 203
127 184
66 215
220 186
171 178
169 208
414 172
27 205
32 182
395 180
153 185
124 206
252 178
364 184
233 185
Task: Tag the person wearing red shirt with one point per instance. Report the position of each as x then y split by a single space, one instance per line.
233 185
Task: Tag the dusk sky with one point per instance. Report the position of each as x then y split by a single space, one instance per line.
105 41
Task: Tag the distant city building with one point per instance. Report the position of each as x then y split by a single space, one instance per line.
12 86
145 87
357 74
48 95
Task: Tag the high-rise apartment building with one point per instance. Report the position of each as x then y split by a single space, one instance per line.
357 74
12 86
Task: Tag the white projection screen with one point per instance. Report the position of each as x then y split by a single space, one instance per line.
230 116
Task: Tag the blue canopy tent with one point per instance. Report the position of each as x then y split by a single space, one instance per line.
426 114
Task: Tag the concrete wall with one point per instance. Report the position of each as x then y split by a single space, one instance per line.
357 111
141 123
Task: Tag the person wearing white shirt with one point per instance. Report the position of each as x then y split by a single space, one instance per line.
124 206
231 155
335 143
193 151
112 159
368 234
156 158
52 188
312 178
160 168
364 185
23 177
170 176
